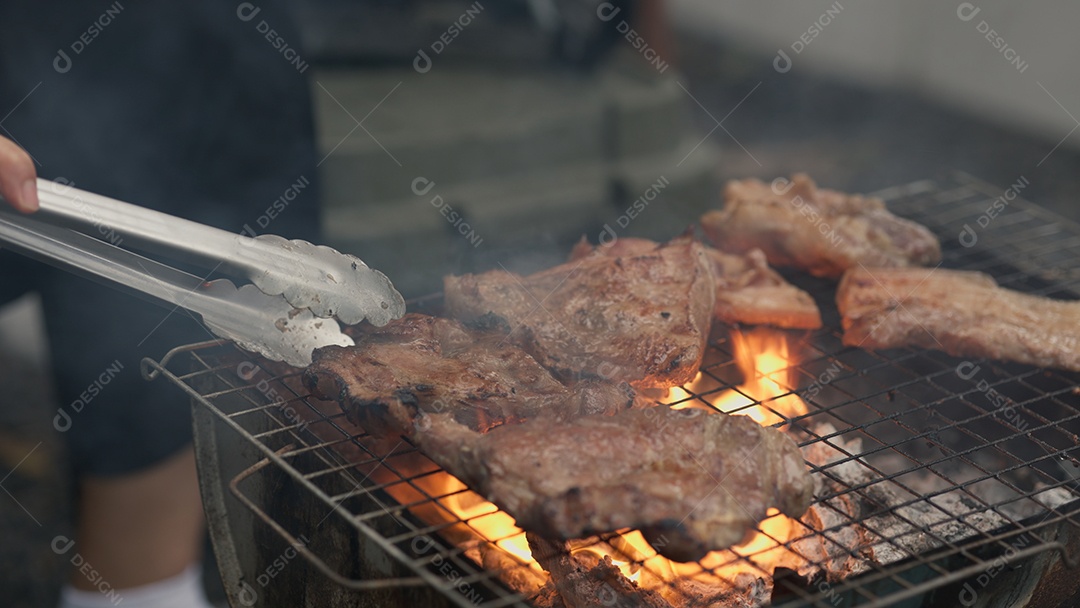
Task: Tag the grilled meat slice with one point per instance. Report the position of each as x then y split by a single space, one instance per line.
752 293
618 248
748 291
822 231
429 364
965 314
641 318
695 481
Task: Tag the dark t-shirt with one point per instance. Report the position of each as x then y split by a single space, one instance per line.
180 106
185 107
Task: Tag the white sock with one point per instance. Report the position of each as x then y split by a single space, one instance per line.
181 591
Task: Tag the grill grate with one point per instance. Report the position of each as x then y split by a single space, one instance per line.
997 440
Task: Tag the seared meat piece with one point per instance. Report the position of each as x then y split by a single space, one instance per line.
640 318
822 231
691 481
748 291
428 364
619 248
965 314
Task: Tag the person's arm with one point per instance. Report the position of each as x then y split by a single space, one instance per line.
17 177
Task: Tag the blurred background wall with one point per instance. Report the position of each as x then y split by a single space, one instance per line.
923 46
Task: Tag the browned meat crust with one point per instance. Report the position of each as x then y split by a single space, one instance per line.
748 291
752 293
822 231
691 481
965 314
429 364
641 318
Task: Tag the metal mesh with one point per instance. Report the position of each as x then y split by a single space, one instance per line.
979 458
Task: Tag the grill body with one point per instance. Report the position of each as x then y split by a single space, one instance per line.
261 568
300 513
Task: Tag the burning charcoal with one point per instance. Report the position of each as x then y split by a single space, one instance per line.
585 581
833 540
519 577
548 597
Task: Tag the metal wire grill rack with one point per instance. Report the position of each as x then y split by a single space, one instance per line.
1001 437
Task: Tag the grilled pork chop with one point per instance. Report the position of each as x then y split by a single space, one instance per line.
641 318
748 291
822 231
965 314
691 481
434 365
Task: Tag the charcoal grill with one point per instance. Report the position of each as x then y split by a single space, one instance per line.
301 510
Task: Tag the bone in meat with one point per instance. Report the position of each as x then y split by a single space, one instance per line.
819 230
965 314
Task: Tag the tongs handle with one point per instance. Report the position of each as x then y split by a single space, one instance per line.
256 321
93 258
318 278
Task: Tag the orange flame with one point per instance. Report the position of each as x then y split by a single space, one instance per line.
489 522
763 358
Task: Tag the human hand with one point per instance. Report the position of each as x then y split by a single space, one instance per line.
17 177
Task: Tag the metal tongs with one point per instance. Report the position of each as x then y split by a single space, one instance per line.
288 309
